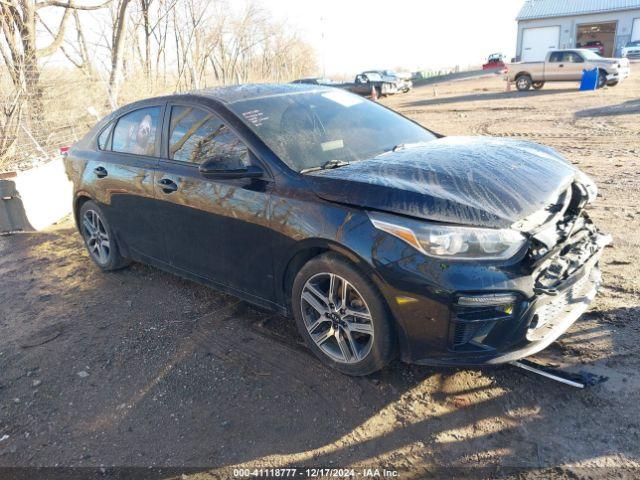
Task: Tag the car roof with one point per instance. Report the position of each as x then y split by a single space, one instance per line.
236 93
226 95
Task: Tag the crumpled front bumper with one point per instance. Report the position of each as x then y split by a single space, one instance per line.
550 315
537 321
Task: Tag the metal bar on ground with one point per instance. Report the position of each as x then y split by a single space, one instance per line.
547 372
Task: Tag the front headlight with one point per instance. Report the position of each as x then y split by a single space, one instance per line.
451 241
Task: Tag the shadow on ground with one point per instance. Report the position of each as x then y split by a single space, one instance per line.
630 107
141 368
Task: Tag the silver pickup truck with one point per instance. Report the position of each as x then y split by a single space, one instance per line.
567 66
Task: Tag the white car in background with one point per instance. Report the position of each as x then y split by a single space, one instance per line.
631 49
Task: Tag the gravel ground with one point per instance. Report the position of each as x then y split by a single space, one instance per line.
141 368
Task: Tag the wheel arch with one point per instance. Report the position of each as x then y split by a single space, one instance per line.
521 74
81 198
311 248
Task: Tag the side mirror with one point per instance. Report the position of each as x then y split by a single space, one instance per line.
228 168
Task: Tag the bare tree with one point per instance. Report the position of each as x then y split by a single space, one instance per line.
117 44
10 121
136 48
19 51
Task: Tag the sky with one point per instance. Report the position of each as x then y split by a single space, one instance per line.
351 36
356 35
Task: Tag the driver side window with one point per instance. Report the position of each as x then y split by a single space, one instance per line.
196 135
573 57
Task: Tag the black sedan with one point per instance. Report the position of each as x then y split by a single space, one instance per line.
380 237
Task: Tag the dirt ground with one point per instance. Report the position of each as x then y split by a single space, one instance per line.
141 368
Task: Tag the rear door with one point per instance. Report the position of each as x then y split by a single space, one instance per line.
122 174
217 230
554 67
362 85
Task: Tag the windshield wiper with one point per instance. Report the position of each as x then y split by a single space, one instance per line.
326 166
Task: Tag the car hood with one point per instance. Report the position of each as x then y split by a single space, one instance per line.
609 61
481 181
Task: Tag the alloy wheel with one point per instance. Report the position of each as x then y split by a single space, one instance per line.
522 83
337 318
96 236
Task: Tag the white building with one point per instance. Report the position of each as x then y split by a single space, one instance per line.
549 24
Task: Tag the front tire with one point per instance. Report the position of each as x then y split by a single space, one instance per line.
538 85
99 238
602 78
523 83
342 317
613 83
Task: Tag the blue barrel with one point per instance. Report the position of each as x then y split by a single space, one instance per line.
589 79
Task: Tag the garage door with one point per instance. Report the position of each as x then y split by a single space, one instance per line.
635 33
536 42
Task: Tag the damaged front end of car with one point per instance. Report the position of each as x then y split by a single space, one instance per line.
499 313
565 252
565 247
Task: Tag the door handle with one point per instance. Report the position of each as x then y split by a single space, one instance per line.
561 65
100 172
167 185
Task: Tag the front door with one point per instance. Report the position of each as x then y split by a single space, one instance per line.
573 66
215 229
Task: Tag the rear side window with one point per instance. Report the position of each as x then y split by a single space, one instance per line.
196 134
555 57
135 132
103 138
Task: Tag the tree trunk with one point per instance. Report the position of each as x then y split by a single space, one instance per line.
144 6
119 33
32 87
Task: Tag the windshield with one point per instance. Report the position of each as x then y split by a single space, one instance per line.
635 43
312 129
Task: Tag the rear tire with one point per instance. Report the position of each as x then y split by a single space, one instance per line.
99 238
524 83
350 330
538 85
612 84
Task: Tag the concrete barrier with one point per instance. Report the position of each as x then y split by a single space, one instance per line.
44 196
